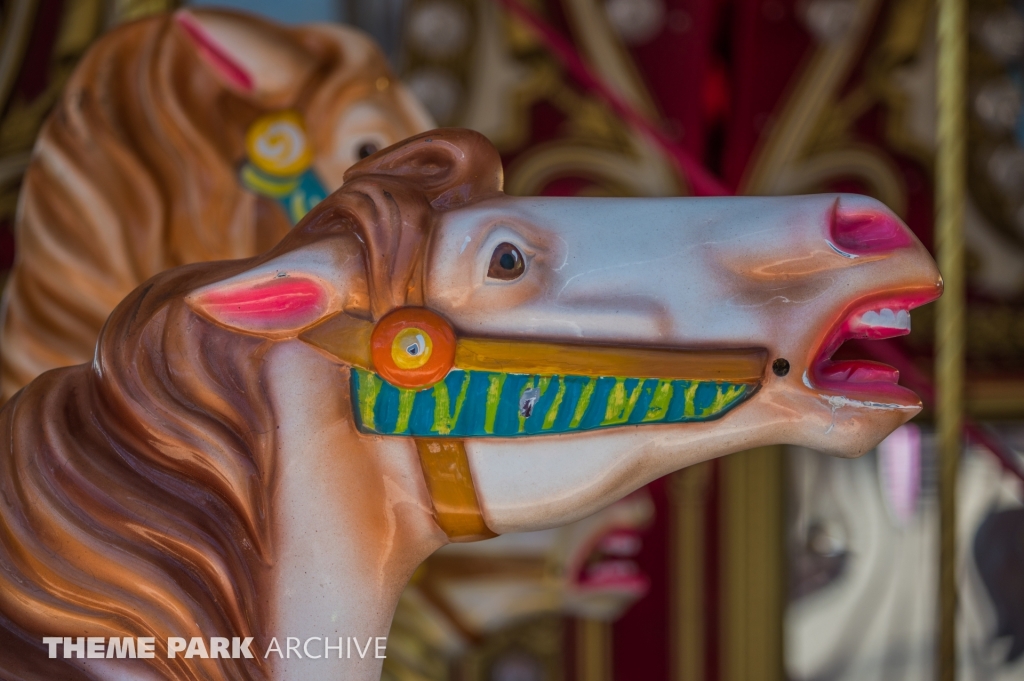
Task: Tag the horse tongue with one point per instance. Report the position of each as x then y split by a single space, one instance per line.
859 371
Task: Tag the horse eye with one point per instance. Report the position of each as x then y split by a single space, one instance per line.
506 263
367 149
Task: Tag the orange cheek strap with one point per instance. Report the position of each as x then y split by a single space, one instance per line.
450 484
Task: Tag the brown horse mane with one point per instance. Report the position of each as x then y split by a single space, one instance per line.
135 489
136 171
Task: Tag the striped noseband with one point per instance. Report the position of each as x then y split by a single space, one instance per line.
412 376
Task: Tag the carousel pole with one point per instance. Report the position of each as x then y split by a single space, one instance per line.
950 196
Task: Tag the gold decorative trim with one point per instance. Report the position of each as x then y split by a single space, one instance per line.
753 560
606 53
599 146
122 11
593 650
801 117
805 146
688 490
950 203
617 172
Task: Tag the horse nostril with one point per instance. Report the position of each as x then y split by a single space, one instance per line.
780 367
866 230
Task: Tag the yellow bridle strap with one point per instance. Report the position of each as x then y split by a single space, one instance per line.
348 339
344 336
577 359
450 485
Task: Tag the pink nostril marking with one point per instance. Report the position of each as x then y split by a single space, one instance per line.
867 231
282 302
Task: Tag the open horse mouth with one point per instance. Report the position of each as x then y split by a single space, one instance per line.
606 563
862 382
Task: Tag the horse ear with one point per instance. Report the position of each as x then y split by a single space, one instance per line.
449 165
248 55
273 305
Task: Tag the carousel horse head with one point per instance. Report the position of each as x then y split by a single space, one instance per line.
202 135
269 447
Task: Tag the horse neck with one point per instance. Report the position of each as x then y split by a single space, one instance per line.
351 520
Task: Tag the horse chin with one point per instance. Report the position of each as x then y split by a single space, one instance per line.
854 424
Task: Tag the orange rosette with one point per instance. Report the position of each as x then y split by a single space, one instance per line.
412 347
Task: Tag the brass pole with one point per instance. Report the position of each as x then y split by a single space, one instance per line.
593 650
950 195
689 493
753 566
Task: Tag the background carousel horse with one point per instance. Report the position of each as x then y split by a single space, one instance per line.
864 541
269 447
183 138
466 593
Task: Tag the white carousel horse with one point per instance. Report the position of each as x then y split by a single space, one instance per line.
467 593
270 447
867 606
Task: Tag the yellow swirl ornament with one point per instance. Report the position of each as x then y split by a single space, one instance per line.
411 348
277 144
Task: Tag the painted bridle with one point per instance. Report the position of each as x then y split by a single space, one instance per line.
413 375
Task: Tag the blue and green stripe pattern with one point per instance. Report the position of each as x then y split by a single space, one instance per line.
486 403
297 194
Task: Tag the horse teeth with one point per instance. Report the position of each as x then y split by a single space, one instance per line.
886 318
